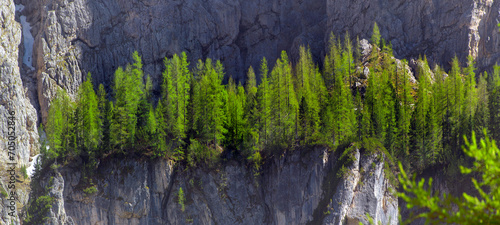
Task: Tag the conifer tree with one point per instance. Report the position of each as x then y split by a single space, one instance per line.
60 126
284 118
343 107
375 40
251 114
308 90
482 113
129 90
404 109
426 134
494 103
210 99
455 94
264 98
235 118
105 113
176 90
160 140
90 130
470 97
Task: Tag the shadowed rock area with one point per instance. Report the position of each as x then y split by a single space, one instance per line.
290 190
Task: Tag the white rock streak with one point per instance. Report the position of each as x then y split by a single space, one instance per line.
31 169
27 39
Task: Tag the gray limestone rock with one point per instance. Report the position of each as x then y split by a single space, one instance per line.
292 189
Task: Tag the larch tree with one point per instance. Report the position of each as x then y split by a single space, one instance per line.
308 92
176 90
494 103
90 119
129 90
283 98
264 101
60 125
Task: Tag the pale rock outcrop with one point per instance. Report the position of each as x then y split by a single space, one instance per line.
364 190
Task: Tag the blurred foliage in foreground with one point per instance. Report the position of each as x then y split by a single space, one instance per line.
466 209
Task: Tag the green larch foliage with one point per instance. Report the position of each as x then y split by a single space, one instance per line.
235 121
284 117
403 109
129 90
176 90
420 137
105 113
332 62
251 115
375 40
448 209
494 103
211 97
160 148
264 101
308 90
470 97
89 131
482 113
344 118
455 94
60 126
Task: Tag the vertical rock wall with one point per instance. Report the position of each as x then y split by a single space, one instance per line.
13 99
291 189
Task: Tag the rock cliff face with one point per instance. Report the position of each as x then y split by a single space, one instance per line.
13 99
13 96
292 189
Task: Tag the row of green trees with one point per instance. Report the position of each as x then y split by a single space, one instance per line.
197 116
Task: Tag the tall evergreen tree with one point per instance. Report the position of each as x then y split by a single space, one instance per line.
60 126
494 103
176 87
284 118
482 112
211 97
470 97
235 115
90 118
129 90
403 109
309 91
342 102
264 99
251 115
455 94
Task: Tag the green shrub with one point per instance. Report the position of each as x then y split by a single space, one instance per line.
90 190
38 211
3 192
181 199
24 172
